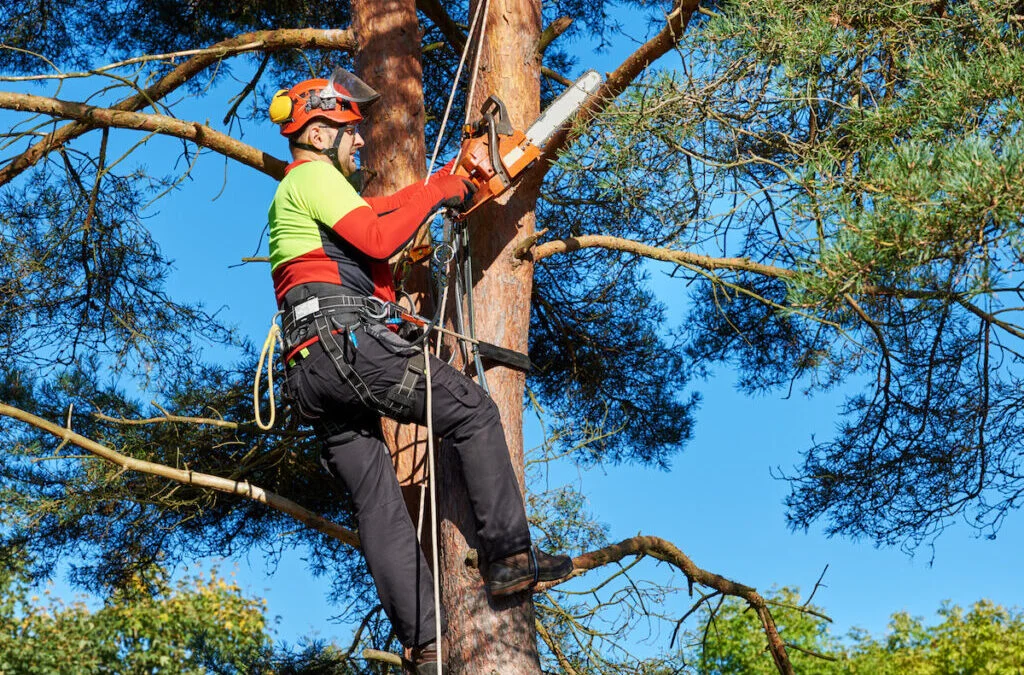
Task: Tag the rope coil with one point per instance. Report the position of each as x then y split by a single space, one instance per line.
267 356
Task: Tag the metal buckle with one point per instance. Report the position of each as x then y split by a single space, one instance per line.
374 308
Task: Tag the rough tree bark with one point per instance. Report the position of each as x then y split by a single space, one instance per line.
483 635
487 635
389 60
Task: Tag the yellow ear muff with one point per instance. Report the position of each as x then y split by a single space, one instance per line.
281 107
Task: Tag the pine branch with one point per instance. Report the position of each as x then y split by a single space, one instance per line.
268 40
90 117
528 249
188 477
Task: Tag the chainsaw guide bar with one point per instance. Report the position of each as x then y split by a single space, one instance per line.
495 155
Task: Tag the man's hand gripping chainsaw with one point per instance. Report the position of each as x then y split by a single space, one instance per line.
494 155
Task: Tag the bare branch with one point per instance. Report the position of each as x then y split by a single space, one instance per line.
817 585
92 117
268 40
810 652
551 33
525 252
444 22
804 609
557 77
667 552
168 418
383 657
552 644
247 89
189 477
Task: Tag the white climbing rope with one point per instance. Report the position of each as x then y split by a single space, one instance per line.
479 20
481 7
433 504
476 58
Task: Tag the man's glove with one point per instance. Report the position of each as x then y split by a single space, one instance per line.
458 191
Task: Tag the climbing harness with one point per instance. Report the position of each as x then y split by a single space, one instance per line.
342 315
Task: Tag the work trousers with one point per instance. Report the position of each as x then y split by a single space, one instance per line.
355 453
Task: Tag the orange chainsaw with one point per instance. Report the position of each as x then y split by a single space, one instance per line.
494 155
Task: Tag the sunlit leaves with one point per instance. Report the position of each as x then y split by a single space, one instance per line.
194 626
986 638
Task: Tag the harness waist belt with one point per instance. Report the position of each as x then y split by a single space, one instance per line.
342 311
365 307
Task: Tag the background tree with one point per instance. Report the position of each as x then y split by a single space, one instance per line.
838 191
199 625
986 638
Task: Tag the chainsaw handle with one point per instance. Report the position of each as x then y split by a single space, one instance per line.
494 148
499 122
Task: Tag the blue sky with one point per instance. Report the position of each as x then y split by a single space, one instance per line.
718 503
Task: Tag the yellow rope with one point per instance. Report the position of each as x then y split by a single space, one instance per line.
267 356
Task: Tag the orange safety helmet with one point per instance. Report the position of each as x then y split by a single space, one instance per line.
336 99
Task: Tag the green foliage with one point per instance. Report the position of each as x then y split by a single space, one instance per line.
57 503
196 626
81 278
731 640
605 372
852 177
987 638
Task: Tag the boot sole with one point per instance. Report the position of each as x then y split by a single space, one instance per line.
510 587
525 583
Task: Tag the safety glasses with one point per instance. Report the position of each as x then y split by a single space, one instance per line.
345 129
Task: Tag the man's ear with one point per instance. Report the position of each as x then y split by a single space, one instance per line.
309 133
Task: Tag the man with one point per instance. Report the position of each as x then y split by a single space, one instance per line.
329 251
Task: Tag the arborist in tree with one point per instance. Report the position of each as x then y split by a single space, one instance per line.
347 367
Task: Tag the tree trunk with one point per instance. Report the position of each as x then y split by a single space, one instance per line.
490 635
483 635
388 60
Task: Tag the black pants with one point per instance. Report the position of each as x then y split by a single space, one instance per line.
354 451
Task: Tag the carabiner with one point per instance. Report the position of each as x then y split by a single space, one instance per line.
375 309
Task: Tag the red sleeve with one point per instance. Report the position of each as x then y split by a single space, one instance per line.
382 205
381 236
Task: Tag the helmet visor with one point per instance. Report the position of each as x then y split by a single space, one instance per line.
348 87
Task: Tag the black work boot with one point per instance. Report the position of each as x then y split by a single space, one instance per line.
423 660
521 571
